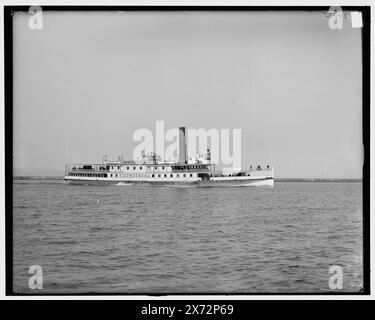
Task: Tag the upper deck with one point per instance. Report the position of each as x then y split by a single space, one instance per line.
131 166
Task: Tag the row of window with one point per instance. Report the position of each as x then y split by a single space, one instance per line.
140 168
163 168
115 175
171 175
130 175
127 168
135 168
127 175
189 167
98 168
89 175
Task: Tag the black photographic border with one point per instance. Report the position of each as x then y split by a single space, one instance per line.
8 125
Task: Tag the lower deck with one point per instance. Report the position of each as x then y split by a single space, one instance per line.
199 181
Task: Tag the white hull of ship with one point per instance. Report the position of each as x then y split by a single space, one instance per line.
238 181
241 182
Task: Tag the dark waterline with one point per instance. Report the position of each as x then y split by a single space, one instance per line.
141 239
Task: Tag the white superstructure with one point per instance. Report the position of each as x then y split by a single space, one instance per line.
198 171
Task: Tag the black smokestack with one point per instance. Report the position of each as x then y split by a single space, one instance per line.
182 145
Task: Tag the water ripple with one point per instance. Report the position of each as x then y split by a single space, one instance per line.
149 239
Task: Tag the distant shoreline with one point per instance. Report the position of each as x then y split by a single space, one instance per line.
316 180
276 179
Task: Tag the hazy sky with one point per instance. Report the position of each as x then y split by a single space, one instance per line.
87 81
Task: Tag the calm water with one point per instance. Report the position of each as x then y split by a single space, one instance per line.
142 239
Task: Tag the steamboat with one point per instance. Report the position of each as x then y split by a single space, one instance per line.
150 170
